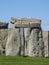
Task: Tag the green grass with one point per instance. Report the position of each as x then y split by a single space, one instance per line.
9 60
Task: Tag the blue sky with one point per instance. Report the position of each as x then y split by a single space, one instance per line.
25 8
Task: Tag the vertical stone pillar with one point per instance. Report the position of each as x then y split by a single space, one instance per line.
3 36
28 32
27 39
41 44
46 43
35 42
13 42
30 45
33 49
22 41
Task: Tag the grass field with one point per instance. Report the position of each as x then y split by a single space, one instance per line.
9 60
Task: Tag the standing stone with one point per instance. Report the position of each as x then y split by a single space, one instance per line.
30 45
46 43
13 42
1 49
41 44
33 49
3 36
3 25
26 40
35 42
22 41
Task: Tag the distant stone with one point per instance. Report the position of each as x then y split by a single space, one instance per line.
3 25
3 36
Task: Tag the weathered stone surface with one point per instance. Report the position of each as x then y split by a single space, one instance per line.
22 41
3 25
26 25
46 43
1 49
26 40
28 33
36 43
41 44
13 42
3 36
33 43
13 20
30 45
26 20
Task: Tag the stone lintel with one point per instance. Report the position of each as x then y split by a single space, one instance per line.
34 20
27 25
3 25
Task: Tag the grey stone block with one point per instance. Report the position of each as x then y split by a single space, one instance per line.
3 25
13 43
46 43
22 20
3 36
33 43
25 22
41 44
26 41
22 41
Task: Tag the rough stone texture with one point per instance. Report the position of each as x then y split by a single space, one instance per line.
25 22
3 36
32 39
1 49
18 34
13 42
22 20
46 43
35 43
26 25
28 33
3 25
22 41
30 45
26 40
41 44
3 39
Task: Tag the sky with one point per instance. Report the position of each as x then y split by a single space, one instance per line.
25 8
